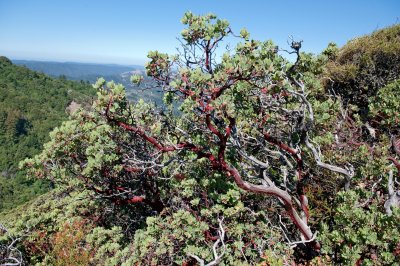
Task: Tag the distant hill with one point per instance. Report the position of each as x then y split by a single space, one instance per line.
31 105
77 71
91 72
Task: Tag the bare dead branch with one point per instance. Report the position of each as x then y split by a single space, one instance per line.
219 244
348 172
9 254
393 195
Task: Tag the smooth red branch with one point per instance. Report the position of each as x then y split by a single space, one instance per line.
300 171
133 169
228 130
279 193
132 200
212 128
137 130
143 134
396 164
286 148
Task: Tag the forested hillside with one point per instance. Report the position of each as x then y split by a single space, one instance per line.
91 72
267 162
31 105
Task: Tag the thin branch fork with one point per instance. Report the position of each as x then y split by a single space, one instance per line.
349 172
280 194
286 148
293 244
219 244
300 171
13 257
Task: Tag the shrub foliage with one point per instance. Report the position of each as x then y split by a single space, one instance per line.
251 160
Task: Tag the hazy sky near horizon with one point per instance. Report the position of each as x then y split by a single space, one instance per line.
123 32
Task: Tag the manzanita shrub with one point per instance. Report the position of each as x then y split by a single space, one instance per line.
237 167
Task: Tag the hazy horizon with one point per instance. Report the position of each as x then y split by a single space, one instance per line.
72 62
122 32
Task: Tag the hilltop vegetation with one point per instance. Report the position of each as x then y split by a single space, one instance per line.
267 162
363 66
31 105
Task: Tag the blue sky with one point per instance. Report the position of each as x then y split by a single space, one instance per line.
122 32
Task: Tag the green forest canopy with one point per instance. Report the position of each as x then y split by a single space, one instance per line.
31 105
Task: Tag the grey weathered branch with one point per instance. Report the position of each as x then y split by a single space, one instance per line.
217 244
9 254
295 243
394 196
348 171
